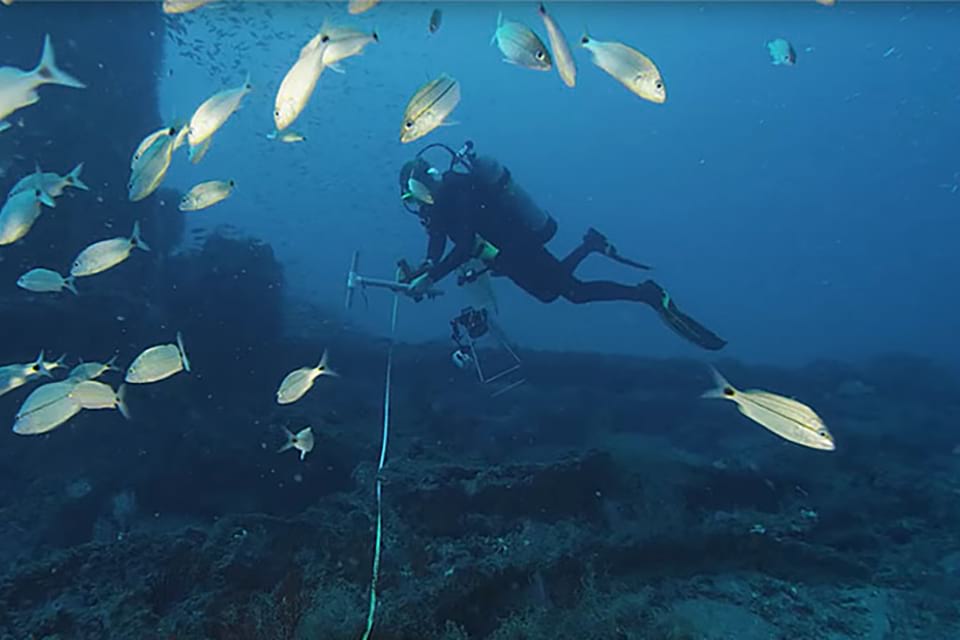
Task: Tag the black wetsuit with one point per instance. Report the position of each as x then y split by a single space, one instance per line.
465 209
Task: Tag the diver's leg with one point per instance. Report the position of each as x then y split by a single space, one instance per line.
651 293
593 242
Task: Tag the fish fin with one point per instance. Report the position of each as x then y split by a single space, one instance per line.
73 178
183 352
723 389
59 362
122 401
135 238
542 10
48 72
272 135
246 83
335 67
44 197
375 34
68 283
4 125
303 454
449 123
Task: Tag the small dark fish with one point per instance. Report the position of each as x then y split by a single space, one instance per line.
436 18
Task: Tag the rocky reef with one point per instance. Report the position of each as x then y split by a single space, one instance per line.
617 505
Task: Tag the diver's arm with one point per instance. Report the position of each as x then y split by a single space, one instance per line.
435 246
461 252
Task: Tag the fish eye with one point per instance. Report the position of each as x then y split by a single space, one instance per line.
408 124
822 433
541 55
659 85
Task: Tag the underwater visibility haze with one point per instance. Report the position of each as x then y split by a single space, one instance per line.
410 320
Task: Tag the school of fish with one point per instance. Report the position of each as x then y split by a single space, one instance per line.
54 403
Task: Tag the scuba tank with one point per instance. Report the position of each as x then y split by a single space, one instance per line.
512 199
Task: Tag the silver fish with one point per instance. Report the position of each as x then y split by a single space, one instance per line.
206 194
302 441
629 67
789 419
214 112
97 395
106 254
298 382
429 107
92 370
45 281
158 363
18 88
566 66
20 212
51 183
46 408
520 45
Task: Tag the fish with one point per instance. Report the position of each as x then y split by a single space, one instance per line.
41 280
52 184
46 408
355 7
429 107
92 370
151 168
158 363
198 152
520 45
173 7
627 66
827 3
286 136
788 418
149 140
342 43
419 191
206 194
214 113
566 66
20 212
47 366
18 88
97 395
781 52
298 84
302 441
106 254
14 376
436 19
298 382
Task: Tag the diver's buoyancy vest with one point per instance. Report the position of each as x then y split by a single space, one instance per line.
512 200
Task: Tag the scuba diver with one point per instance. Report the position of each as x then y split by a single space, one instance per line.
476 205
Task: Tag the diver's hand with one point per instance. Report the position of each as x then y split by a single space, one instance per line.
420 285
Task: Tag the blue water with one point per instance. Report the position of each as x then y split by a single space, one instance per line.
807 214
798 211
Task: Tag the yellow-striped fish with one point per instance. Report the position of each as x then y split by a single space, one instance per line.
789 419
428 107
520 45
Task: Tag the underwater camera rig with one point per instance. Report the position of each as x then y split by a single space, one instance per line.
466 331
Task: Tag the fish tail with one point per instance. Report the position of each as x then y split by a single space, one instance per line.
496 31
74 178
135 238
111 364
59 362
246 82
542 10
47 71
183 353
39 368
291 441
68 283
722 390
122 401
324 366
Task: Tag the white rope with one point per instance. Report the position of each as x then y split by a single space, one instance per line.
383 457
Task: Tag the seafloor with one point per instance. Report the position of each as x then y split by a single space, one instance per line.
602 499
